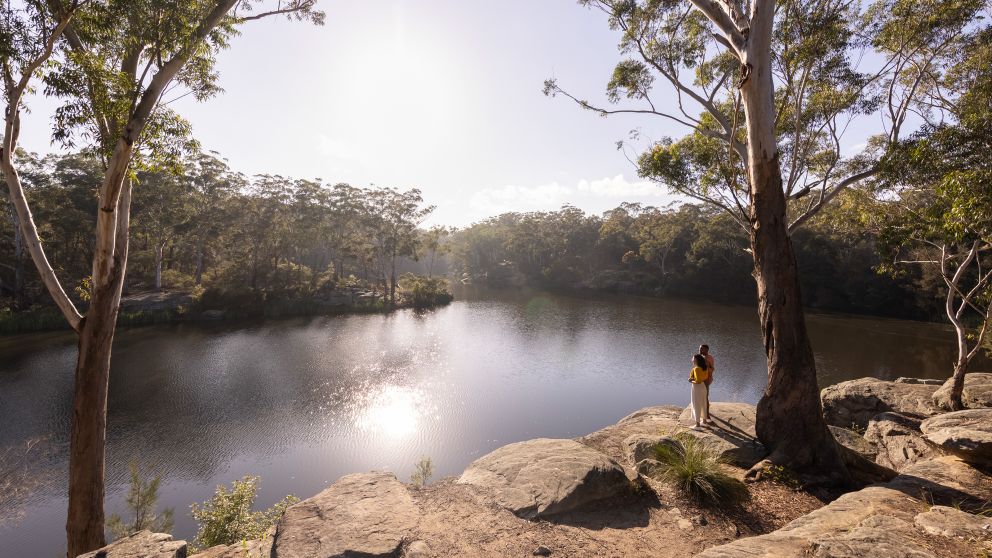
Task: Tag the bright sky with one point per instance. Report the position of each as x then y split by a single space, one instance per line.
441 95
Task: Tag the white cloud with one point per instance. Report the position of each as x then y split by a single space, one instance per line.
592 196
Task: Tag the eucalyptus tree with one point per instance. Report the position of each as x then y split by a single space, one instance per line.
934 200
767 90
112 63
394 217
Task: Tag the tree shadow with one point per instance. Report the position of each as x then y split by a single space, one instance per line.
624 511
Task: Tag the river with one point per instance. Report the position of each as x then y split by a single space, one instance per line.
300 402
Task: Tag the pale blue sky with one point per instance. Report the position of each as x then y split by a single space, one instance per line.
442 95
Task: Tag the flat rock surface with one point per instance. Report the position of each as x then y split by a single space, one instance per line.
732 434
365 514
143 544
967 434
946 521
898 441
543 477
854 441
853 403
245 549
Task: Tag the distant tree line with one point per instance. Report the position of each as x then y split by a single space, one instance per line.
204 227
692 251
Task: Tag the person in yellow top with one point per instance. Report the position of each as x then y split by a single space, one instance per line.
711 365
698 376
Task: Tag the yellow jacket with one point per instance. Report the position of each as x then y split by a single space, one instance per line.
699 375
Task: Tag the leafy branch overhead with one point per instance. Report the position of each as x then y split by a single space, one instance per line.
837 66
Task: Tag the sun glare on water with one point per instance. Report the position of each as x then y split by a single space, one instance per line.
393 411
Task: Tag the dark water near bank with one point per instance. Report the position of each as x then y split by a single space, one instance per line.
301 402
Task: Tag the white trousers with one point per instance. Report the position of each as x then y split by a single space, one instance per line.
698 400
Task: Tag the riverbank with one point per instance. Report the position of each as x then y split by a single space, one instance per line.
160 307
597 496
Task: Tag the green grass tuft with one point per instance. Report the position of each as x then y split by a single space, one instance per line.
697 471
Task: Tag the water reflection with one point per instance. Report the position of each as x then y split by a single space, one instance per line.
391 410
301 402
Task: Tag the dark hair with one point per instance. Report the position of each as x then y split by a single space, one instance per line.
701 347
700 360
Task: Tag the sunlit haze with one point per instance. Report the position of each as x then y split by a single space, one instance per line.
444 96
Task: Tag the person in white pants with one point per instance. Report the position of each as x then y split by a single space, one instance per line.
698 377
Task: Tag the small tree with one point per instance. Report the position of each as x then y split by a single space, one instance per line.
229 518
142 499
934 201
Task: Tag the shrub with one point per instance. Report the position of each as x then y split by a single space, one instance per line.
142 499
697 471
423 292
422 472
228 517
177 280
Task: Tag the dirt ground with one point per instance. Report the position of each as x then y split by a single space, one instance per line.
652 521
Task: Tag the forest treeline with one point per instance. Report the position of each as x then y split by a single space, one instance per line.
235 240
693 251
206 229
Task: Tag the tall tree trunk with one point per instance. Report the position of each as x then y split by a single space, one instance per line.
198 275
159 249
789 415
392 281
85 522
19 260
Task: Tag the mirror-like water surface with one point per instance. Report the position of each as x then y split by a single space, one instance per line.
301 402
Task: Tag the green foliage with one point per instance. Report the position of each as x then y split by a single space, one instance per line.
142 499
697 472
424 292
228 517
422 472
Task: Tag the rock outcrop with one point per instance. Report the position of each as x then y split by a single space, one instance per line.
143 544
855 442
967 434
543 477
366 514
898 441
944 521
853 403
633 437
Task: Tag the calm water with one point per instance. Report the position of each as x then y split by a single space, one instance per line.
301 402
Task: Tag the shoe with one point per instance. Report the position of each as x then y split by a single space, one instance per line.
708 422
696 427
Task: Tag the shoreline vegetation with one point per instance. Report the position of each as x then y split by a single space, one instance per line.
170 306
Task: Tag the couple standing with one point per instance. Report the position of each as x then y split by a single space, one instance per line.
701 377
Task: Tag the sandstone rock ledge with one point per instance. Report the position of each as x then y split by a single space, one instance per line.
584 497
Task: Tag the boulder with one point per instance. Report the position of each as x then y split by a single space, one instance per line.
944 521
898 441
366 514
732 434
977 390
259 548
635 434
945 481
854 441
967 434
876 522
924 381
543 477
143 544
853 403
